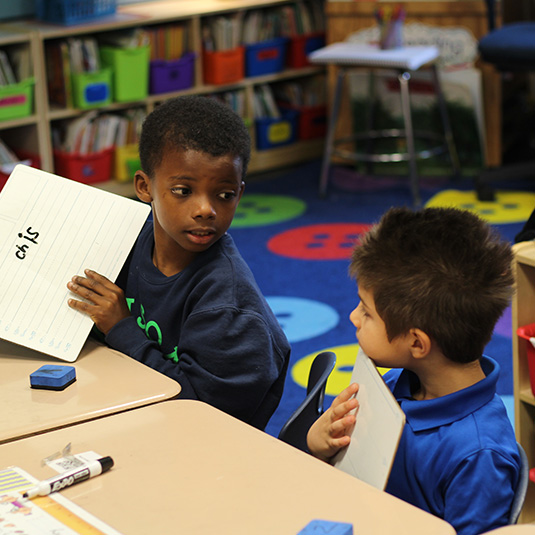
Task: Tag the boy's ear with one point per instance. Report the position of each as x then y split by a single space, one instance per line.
142 185
242 189
420 343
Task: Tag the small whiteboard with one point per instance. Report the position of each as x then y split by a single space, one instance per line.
52 228
380 421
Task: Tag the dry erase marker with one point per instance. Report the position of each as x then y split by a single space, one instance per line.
71 477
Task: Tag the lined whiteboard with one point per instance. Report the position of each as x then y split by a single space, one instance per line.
52 228
380 422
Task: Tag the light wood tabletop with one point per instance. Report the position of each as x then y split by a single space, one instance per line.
107 382
182 466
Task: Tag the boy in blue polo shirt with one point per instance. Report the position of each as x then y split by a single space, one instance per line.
186 303
432 285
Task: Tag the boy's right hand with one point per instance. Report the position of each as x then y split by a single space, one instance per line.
331 431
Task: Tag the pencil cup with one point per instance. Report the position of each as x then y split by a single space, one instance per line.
390 34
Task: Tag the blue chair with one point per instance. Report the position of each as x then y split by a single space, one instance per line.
521 488
509 48
294 431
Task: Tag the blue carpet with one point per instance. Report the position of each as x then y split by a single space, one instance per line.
298 246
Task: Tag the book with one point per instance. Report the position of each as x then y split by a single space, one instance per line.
380 421
51 229
364 55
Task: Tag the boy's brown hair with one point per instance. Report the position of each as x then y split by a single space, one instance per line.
442 270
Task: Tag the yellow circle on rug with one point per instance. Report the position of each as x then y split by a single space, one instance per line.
509 206
340 376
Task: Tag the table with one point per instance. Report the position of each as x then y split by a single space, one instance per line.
183 466
345 18
106 382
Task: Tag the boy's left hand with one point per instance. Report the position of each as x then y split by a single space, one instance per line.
107 304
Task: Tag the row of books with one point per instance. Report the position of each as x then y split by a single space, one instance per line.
264 103
94 132
308 93
15 66
168 42
227 32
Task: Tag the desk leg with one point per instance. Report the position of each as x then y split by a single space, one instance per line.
404 78
329 141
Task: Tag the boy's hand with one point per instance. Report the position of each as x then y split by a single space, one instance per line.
330 432
107 304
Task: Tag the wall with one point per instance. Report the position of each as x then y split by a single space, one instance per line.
10 10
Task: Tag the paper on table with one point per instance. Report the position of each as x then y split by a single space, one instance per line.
52 228
44 515
380 422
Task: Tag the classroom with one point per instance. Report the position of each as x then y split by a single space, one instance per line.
201 359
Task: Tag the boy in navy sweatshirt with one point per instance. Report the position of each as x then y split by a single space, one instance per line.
186 303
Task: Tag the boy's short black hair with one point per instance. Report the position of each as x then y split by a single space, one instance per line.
442 270
194 122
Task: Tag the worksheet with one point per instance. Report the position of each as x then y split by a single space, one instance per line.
44 515
52 228
380 422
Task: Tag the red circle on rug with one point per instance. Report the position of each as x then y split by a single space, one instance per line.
329 241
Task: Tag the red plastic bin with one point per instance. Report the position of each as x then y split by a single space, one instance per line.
300 46
223 67
526 332
29 158
86 168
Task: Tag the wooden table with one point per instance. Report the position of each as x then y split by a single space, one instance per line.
185 467
106 382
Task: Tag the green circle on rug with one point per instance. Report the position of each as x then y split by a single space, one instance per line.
509 206
258 209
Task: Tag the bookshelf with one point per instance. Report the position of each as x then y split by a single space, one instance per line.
523 313
35 132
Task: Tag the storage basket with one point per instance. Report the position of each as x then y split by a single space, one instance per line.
74 11
527 332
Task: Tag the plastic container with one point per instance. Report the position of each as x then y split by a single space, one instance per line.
130 71
312 122
223 67
266 57
87 168
16 100
26 158
300 46
526 332
74 11
272 133
168 76
92 89
125 160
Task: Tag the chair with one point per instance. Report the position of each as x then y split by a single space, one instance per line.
521 488
403 62
294 431
509 48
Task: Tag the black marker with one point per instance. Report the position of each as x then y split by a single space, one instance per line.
71 477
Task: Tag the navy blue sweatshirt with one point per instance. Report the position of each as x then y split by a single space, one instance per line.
208 327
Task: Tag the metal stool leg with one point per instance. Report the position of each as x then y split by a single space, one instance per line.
329 140
370 118
448 135
404 78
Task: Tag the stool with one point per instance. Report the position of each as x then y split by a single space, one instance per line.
404 61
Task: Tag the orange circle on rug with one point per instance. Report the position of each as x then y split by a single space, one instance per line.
329 241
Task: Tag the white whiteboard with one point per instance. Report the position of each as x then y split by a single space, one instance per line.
52 228
380 422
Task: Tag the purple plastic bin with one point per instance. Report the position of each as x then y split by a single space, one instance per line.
169 76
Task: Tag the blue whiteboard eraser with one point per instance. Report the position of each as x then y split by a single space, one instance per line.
321 527
53 377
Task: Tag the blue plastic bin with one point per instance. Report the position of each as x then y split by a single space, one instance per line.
265 57
73 11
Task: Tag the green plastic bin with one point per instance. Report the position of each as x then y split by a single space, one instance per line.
16 100
130 68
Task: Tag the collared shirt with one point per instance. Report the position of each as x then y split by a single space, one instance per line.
457 457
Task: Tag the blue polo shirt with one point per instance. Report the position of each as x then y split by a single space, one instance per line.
457 457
